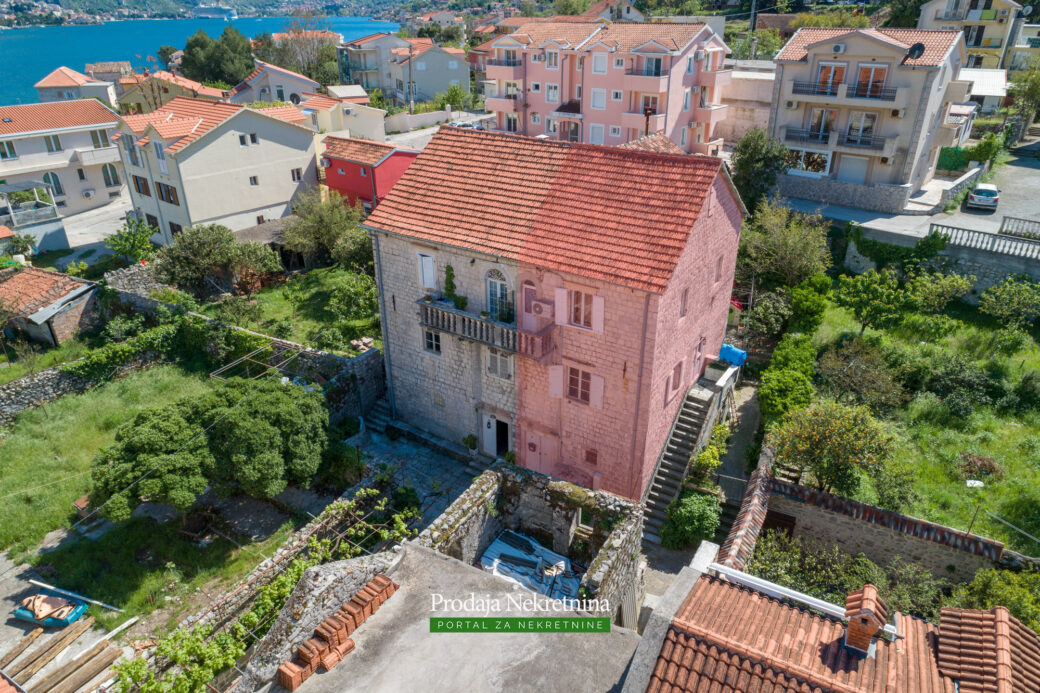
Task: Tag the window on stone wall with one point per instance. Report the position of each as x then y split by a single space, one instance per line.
500 364
432 341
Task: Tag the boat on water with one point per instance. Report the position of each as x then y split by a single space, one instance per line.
215 12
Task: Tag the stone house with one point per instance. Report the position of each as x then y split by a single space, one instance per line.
530 302
65 83
864 112
153 91
49 307
604 83
199 162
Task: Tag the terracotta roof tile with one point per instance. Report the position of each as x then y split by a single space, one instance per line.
320 102
185 83
290 114
65 77
360 151
730 638
656 142
553 204
988 651
27 290
35 117
307 33
370 37
179 111
5 231
937 43
623 37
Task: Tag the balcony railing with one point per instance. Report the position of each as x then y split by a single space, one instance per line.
992 43
362 67
864 141
444 317
867 90
29 216
949 15
643 71
815 88
505 63
802 135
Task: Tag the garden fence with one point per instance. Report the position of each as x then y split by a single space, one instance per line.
992 242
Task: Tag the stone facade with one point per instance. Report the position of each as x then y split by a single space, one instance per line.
509 497
878 197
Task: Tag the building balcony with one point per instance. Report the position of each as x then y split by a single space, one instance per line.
709 113
93 157
27 213
949 15
714 78
946 135
958 91
986 44
845 94
800 137
637 79
444 317
711 148
505 103
637 120
505 69
570 109
866 144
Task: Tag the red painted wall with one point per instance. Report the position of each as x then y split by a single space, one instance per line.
354 186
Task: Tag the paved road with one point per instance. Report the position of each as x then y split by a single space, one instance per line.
88 230
418 139
1019 182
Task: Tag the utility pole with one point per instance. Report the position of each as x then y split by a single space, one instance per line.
411 84
754 16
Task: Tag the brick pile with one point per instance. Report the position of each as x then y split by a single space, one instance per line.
332 641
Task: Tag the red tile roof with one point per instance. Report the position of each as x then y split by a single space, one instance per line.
177 113
27 290
358 151
730 638
191 85
5 231
366 39
655 142
623 37
988 651
937 43
553 204
321 102
290 114
65 77
307 33
54 115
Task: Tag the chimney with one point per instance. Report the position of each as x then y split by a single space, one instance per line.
866 615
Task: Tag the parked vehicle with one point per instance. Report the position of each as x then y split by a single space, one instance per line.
984 196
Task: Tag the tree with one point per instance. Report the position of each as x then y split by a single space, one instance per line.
228 59
779 246
904 13
22 243
455 96
239 310
355 298
765 43
769 313
1015 302
1025 89
874 298
195 254
27 355
133 240
757 161
165 54
840 17
856 371
250 263
318 226
195 64
783 390
691 517
1018 591
571 7
832 442
931 292
528 8
294 297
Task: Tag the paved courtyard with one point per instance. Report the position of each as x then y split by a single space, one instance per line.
418 139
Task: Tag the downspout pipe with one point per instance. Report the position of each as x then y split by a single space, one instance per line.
383 322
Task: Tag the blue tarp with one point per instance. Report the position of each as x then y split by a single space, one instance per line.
523 560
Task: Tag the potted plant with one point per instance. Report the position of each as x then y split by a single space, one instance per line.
470 442
484 314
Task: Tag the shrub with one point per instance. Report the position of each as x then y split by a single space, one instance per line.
856 370
783 390
720 434
1010 340
1018 591
708 460
691 518
103 362
894 482
175 297
354 298
123 327
769 313
807 308
283 329
794 352
975 466
328 338
1028 391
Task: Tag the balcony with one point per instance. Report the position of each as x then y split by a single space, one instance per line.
870 144
637 121
958 91
843 94
868 90
711 148
814 88
27 213
639 79
570 109
801 136
444 317
709 113
987 44
949 15
714 78
362 67
946 135
94 157
506 103
505 69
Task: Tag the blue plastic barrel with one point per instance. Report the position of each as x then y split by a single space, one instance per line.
733 355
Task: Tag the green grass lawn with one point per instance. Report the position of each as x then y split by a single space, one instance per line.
12 369
56 443
312 315
934 447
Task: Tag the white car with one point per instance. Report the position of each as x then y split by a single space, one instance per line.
984 196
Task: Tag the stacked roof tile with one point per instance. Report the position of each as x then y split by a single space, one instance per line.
937 44
621 37
54 115
191 85
553 204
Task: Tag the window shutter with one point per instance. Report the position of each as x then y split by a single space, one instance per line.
596 392
556 381
561 306
597 314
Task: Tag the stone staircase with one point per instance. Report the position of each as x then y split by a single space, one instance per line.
378 416
674 460
730 510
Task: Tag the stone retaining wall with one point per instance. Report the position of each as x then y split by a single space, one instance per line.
875 197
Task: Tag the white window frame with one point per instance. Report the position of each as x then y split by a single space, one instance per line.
552 92
7 150
580 308
536 87
617 95
579 385
619 63
615 131
53 143
160 157
432 341
682 137
427 268
297 175
536 119
500 364
551 126
689 65
99 139
602 96
599 63
811 174
552 60
687 99
597 133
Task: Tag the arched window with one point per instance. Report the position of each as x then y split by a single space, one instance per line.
51 179
111 175
498 303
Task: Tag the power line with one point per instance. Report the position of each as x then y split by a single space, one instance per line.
49 483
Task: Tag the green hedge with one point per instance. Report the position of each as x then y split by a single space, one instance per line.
952 159
102 362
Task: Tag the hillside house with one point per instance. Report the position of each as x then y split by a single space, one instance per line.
363 171
65 83
48 306
154 90
272 83
529 300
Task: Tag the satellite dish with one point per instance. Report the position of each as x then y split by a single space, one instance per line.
916 51
1027 10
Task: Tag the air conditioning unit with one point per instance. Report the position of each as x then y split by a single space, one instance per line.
542 309
325 162
898 112
885 161
265 90
791 104
348 110
698 55
88 194
1003 13
839 48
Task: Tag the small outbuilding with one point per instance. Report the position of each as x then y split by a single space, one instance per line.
49 307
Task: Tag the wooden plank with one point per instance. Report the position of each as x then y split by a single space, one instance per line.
44 655
20 647
88 672
67 669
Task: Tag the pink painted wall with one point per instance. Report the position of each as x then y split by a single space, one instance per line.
643 338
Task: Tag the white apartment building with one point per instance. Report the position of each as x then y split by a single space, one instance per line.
200 162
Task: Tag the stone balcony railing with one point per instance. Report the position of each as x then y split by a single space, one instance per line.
444 317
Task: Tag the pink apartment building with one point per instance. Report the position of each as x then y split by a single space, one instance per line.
604 83
591 285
